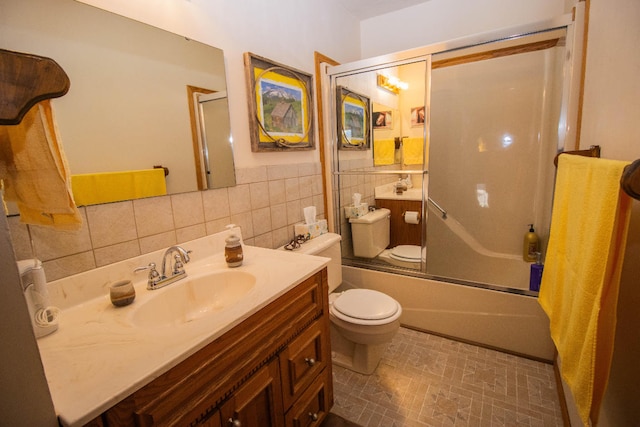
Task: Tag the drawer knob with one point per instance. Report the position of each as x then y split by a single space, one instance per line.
313 416
235 423
310 361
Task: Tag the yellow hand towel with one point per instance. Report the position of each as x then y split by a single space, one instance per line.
383 152
95 188
35 171
412 151
579 289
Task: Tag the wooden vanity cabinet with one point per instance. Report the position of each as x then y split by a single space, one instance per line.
402 233
273 369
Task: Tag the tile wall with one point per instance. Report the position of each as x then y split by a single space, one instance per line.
266 202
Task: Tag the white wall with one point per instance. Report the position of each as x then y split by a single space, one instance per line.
611 108
440 20
285 31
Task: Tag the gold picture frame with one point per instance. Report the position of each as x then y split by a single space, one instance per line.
280 106
354 120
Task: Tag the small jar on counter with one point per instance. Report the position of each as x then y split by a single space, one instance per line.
233 251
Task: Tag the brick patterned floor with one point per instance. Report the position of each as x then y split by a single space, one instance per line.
426 380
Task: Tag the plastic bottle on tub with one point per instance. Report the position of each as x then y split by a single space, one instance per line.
531 245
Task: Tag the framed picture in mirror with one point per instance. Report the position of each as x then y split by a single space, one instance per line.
280 106
382 120
354 119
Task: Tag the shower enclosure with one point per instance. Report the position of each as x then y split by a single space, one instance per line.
457 140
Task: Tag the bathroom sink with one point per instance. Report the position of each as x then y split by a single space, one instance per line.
388 192
193 298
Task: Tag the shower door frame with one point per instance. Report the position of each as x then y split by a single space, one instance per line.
574 30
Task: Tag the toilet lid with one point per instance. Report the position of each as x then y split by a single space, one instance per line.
366 304
406 253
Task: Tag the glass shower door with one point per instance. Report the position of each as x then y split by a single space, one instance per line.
494 133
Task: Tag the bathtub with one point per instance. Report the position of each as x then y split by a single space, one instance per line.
496 319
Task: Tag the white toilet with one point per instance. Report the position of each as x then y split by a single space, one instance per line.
407 256
363 321
370 234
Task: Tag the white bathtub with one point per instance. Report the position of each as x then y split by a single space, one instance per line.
501 320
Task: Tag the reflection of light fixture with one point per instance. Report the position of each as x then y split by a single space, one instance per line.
391 83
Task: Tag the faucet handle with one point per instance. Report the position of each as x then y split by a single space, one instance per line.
178 266
154 276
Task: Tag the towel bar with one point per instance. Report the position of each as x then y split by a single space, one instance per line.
630 179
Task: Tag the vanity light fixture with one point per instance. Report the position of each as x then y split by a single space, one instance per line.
391 83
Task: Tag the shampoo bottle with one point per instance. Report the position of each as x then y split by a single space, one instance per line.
535 276
531 245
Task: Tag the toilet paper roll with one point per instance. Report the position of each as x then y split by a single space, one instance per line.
412 217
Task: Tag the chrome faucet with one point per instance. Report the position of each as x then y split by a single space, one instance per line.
158 280
181 257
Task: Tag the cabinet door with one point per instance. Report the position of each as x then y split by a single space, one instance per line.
313 405
302 361
257 402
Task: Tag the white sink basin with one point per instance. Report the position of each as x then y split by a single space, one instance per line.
193 298
388 192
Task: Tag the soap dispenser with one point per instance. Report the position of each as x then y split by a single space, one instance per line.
531 245
233 251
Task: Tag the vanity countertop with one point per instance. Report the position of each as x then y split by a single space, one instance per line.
98 356
388 192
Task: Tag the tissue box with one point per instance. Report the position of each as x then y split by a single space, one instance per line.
310 231
356 211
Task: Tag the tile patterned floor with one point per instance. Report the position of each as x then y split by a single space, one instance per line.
426 380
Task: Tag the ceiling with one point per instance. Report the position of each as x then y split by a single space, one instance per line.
364 9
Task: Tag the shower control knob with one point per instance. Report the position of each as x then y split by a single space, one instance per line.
310 361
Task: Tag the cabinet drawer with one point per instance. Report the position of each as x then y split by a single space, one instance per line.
313 405
303 359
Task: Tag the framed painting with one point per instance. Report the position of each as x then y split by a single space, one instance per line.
354 120
417 116
382 120
280 106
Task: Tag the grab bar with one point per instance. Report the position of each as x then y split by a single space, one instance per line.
437 206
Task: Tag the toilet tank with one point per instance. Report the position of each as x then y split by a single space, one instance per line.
326 245
370 233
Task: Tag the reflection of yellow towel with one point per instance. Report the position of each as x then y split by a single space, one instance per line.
412 151
383 152
579 289
35 171
95 188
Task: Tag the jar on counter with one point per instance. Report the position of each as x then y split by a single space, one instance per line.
233 251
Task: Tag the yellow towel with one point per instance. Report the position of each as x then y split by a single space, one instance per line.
579 289
35 171
412 151
384 152
95 188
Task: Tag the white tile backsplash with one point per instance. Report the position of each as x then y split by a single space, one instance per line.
266 203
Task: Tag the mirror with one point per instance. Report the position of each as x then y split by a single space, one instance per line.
128 107
395 122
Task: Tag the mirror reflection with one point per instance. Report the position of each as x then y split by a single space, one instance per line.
128 106
396 118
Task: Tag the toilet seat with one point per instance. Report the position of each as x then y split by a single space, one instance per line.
365 307
406 253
